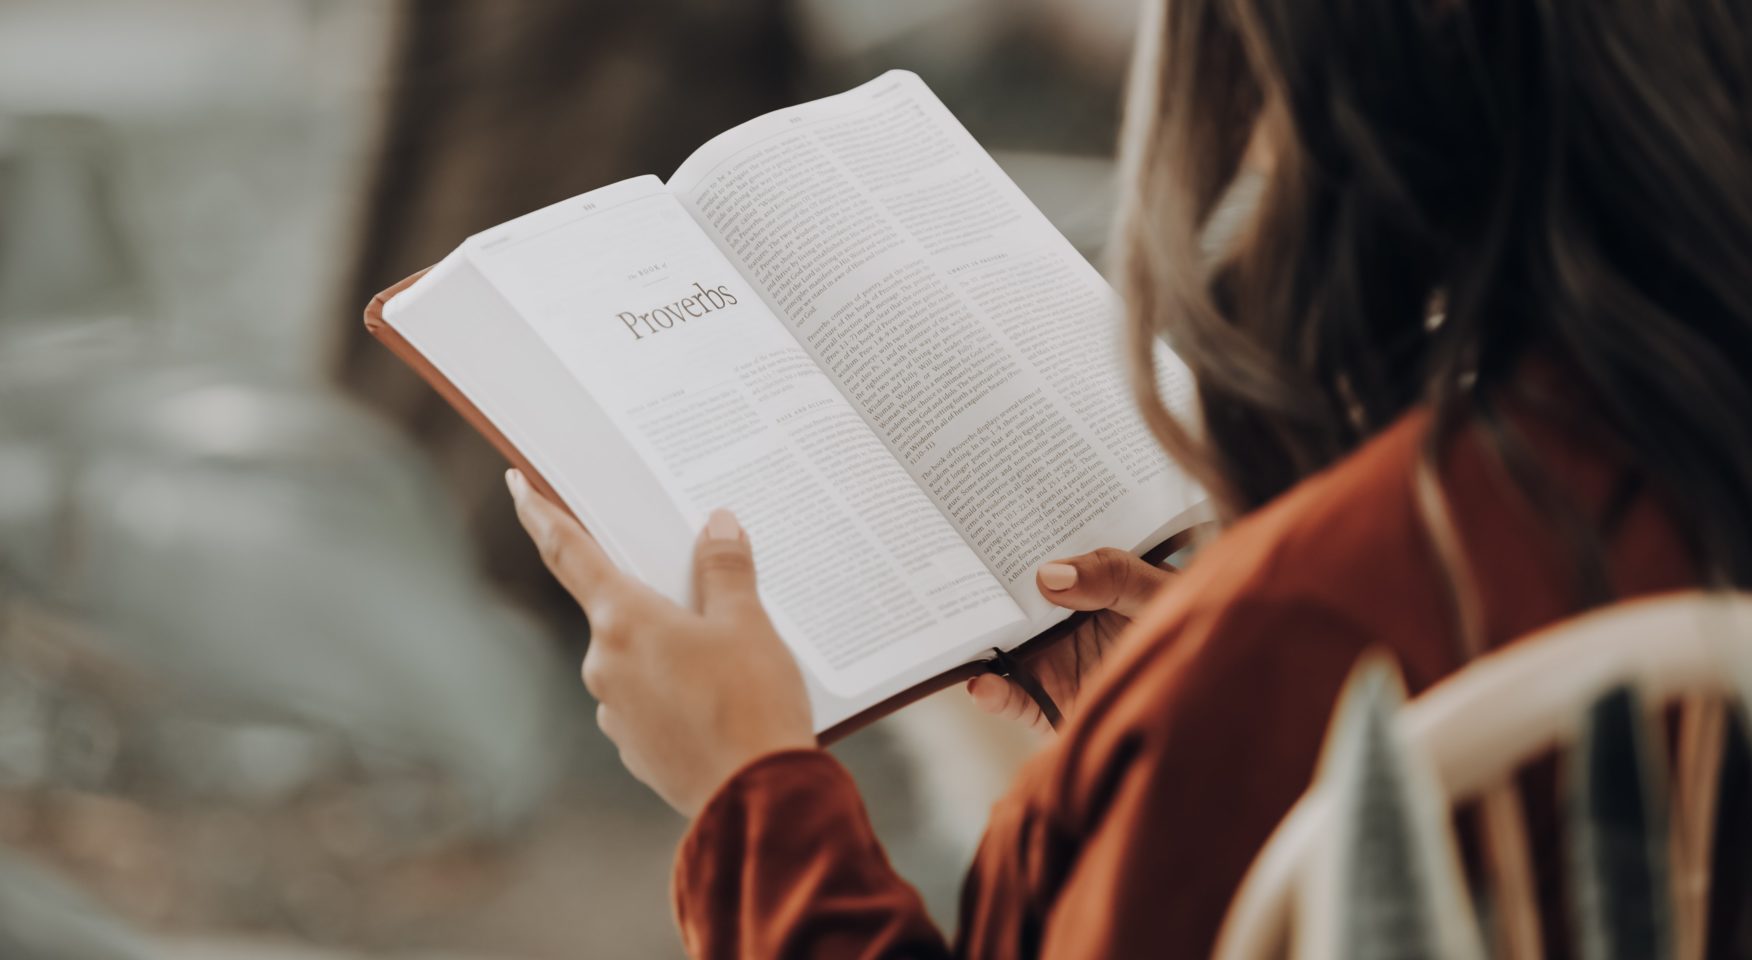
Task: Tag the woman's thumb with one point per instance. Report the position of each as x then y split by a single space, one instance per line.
1107 579
724 568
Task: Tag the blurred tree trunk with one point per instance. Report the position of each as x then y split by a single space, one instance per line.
498 108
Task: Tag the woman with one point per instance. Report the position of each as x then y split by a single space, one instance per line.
1479 361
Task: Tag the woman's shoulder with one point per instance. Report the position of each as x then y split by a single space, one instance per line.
1258 634
1346 545
1261 629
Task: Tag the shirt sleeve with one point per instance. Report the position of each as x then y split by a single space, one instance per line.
1163 800
783 863
1125 838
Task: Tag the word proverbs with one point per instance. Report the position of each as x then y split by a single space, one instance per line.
666 316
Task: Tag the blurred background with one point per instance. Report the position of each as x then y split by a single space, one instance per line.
279 675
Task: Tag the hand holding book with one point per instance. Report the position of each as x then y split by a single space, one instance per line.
743 696
1113 587
688 696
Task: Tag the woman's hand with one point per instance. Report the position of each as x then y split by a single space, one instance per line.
688 695
1114 584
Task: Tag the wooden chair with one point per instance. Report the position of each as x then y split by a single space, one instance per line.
1514 705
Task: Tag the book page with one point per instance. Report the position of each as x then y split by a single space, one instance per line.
970 334
861 573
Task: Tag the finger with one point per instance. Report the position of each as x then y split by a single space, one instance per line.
594 671
990 693
572 555
724 581
1106 579
1001 698
608 722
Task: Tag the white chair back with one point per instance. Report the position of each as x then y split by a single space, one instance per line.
1516 704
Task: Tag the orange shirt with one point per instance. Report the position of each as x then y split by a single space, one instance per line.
1128 835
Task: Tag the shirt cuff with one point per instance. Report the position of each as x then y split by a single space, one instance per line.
767 816
770 775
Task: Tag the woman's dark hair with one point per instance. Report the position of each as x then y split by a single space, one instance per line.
1452 185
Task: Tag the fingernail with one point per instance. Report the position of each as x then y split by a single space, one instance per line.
722 525
1058 576
516 483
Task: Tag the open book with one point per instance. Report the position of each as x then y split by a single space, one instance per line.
843 322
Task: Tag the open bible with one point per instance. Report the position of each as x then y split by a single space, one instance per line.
843 322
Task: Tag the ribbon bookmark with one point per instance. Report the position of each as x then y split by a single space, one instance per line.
1012 669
